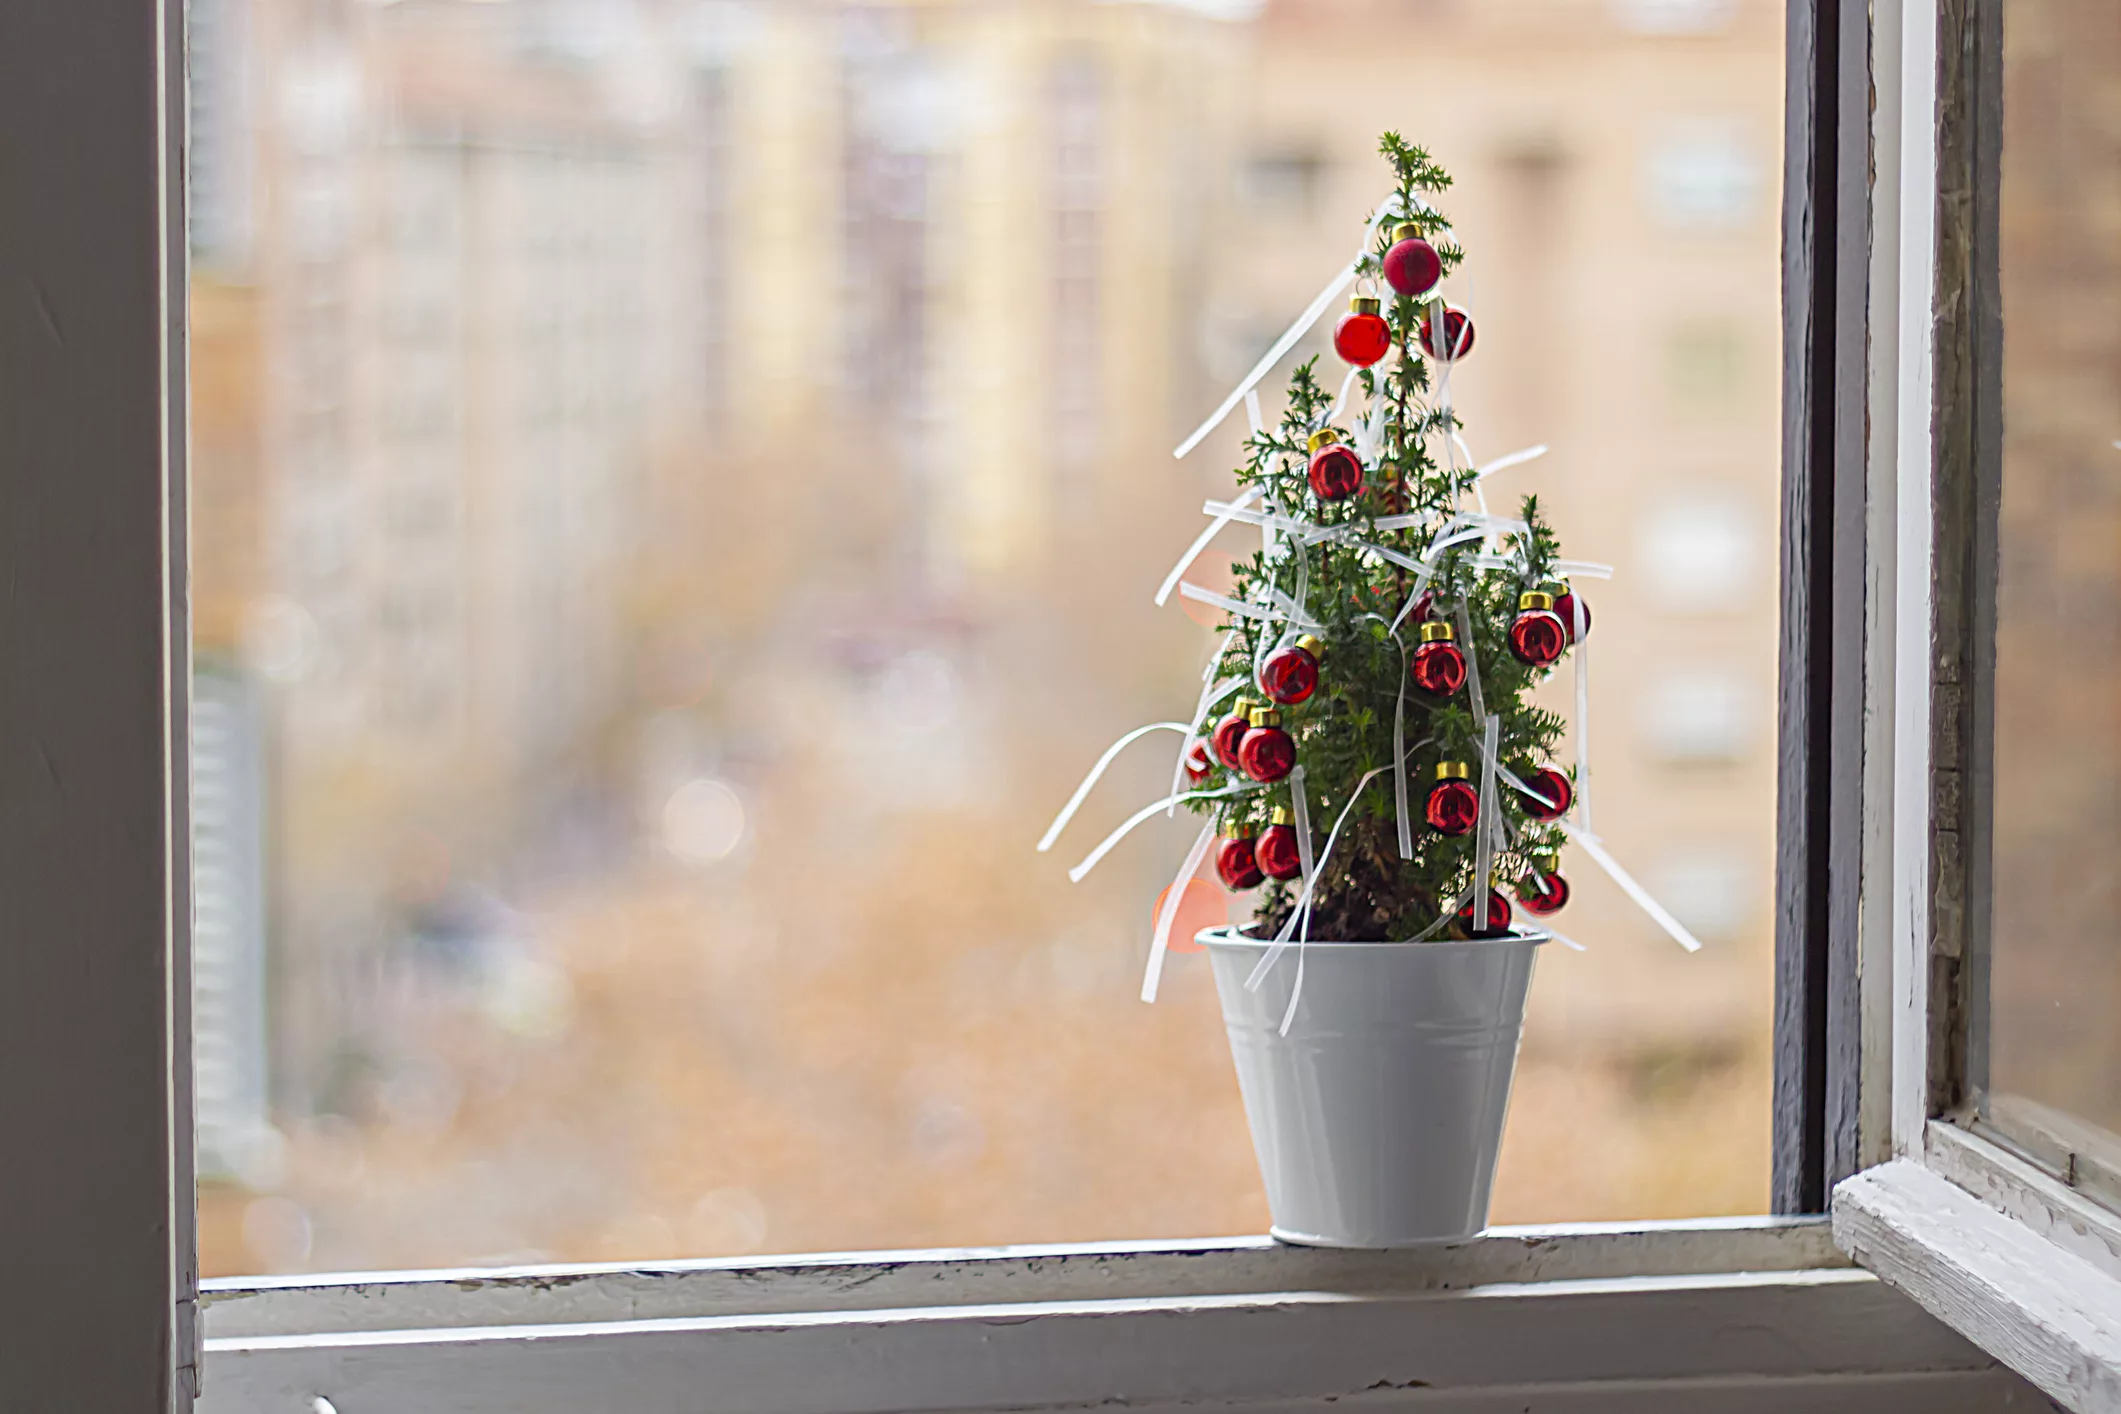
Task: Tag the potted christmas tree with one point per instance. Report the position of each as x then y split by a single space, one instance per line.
1368 757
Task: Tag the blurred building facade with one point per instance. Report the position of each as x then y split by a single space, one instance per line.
684 479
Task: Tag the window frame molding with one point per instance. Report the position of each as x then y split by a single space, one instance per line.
95 1096
1990 1243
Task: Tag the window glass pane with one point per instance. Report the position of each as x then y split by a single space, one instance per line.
2054 1043
680 486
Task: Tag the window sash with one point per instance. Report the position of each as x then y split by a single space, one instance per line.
1990 1244
94 1097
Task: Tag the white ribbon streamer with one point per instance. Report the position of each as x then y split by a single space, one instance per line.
1294 332
1185 561
1210 694
1281 939
1306 531
1168 914
1635 891
1096 856
1513 459
1484 829
1082 792
1582 655
1465 636
1238 606
1399 757
1341 400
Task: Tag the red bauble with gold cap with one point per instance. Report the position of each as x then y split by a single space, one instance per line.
1290 674
1552 794
1276 848
1230 732
1362 337
1536 634
1267 753
1458 335
1411 266
1543 892
1498 919
1566 603
1436 665
1235 863
1336 472
1453 806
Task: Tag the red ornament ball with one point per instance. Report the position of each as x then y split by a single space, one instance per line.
1566 604
1412 266
1229 734
1453 807
1437 667
1336 472
1555 787
1543 894
1458 328
1267 753
1362 337
1290 674
1278 856
1536 634
1236 865
1498 920
1198 762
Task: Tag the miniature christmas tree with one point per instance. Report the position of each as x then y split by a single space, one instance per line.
1387 636
1366 749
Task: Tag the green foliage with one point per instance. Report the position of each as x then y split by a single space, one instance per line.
1344 731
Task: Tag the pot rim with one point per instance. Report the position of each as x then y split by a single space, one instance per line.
1228 936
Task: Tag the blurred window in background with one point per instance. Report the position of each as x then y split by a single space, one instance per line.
678 492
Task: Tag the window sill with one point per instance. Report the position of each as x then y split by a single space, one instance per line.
1711 1318
2043 1309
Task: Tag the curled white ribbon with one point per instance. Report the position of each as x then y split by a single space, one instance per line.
1465 635
1513 459
1241 607
1281 939
1294 332
1185 561
1082 792
1307 532
1658 915
1490 816
1400 806
1582 655
1096 856
1160 944
1210 694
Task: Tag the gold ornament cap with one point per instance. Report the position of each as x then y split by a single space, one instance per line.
1242 707
1266 716
1239 830
1405 231
1312 644
1535 599
1323 437
1365 304
1452 770
1436 632
1282 816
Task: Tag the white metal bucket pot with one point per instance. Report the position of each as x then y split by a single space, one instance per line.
1378 1117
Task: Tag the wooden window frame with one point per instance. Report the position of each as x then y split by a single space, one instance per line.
103 1309
1958 1217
